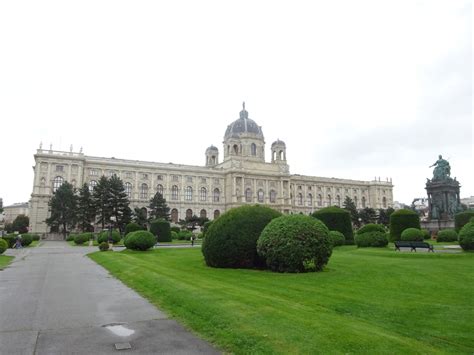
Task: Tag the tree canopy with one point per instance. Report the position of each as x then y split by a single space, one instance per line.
63 208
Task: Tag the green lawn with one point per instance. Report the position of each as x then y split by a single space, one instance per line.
5 260
368 301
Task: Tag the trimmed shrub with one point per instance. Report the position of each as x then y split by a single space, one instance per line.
140 240
104 246
3 245
337 219
295 243
26 239
104 236
185 235
10 239
376 239
132 227
161 229
401 220
175 229
412 235
371 227
35 237
174 235
461 218
426 234
231 240
70 237
82 238
337 238
466 236
447 235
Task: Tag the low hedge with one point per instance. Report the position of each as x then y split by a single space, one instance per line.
426 234
401 220
140 240
10 239
26 239
412 235
337 219
161 229
447 235
185 235
104 236
175 229
371 227
466 236
104 246
82 238
3 245
375 239
462 218
295 243
70 237
337 238
174 235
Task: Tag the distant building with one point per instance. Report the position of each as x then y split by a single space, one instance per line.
243 177
12 211
468 201
421 206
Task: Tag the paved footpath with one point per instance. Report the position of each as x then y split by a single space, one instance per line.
55 300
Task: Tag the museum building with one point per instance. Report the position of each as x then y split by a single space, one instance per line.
242 177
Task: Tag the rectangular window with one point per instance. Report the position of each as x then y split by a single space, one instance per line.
144 176
128 175
159 177
216 181
93 172
175 178
203 180
60 168
189 179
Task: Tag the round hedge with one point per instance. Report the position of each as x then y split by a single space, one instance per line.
337 219
140 240
461 218
10 239
295 243
337 238
104 246
371 227
3 245
104 236
132 227
161 229
70 237
82 238
174 235
426 234
466 236
231 239
26 239
401 220
376 239
412 235
447 235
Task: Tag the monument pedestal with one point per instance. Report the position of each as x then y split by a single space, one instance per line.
443 199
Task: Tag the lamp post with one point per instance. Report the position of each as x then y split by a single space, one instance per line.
113 219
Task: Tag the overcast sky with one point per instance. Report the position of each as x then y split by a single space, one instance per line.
356 89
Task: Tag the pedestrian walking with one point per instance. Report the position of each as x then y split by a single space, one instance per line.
18 242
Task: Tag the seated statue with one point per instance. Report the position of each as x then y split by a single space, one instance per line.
442 170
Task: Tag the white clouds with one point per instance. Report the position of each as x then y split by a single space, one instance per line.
345 84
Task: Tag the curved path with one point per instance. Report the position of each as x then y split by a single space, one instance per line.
55 300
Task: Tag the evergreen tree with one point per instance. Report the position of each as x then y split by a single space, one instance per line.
350 206
63 206
86 210
159 208
101 196
384 216
139 217
119 203
368 215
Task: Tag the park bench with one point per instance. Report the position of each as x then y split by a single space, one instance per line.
413 245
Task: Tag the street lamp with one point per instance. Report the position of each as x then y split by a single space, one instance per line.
113 219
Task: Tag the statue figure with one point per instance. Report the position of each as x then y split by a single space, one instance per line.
442 170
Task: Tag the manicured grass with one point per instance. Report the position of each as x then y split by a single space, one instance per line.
5 260
369 300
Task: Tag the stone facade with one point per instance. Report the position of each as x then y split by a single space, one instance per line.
13 211
243 177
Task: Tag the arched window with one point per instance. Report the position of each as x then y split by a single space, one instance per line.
144 191
329 200
384 202
338 200
363 201
300 199
128 189
320 200
159 189
189 213
174 215
273 196
282 155
216 195
236 149
92 185
57 182
174 192
203 194
355 201
188 193
260 195
253 149
248 195
203 214
310 200
217 213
